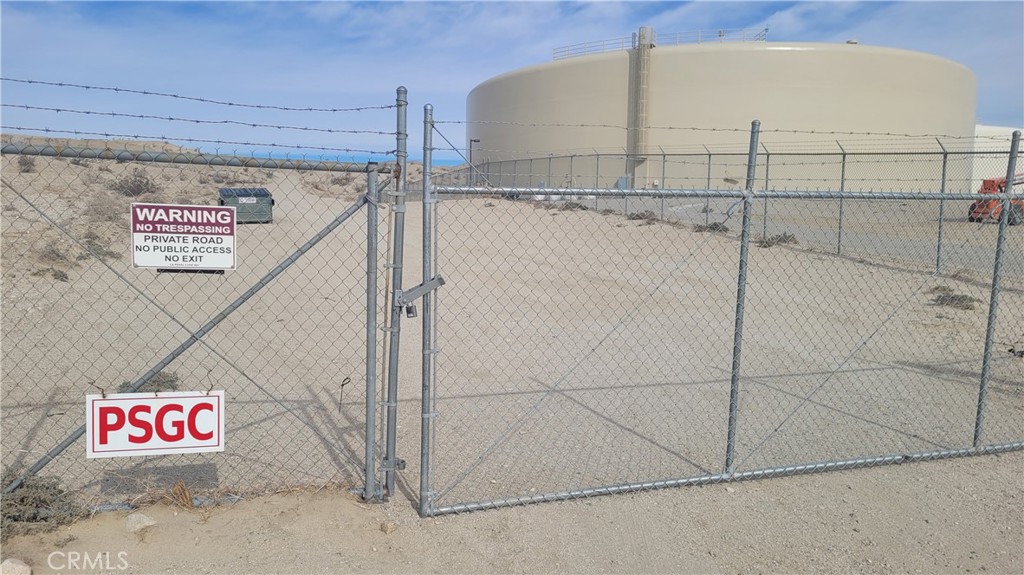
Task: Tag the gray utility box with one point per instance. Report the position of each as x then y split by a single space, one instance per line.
252 205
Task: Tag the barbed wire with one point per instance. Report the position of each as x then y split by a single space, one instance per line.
195 121
196 99
729 130
531 125
202 141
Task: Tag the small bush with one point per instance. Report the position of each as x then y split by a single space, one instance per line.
59 275
163 381
644 215
40 504
776 240
606 212
572 207
99 250
946 296
712 227
134 185
80 162
26 164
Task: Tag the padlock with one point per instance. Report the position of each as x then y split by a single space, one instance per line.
410 311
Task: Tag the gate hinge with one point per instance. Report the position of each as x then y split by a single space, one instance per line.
392 464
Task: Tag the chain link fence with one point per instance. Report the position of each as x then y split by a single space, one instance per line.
594 340
79 319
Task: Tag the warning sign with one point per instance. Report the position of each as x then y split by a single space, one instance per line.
180 237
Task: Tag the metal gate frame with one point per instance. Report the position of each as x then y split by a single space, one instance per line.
375 487
729 473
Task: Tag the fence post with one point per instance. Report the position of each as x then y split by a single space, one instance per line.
371 491
942 208
597 169
391 462
707 200
741 293
767 166
547 182
663 185
993 303
842 188
426 398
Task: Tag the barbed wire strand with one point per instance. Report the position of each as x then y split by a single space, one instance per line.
200 140
195 121
197 99
725 130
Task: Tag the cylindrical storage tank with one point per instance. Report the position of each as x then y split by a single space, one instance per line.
701 99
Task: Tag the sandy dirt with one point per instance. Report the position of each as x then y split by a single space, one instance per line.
958 516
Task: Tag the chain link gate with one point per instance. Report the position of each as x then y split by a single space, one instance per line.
583 345
294 334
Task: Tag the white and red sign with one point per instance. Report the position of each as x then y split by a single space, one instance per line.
183 237
127 424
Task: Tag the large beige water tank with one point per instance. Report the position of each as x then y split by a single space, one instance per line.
703 97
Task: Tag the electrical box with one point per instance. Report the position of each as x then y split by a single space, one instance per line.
252 205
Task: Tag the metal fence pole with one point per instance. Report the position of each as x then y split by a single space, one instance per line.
767 166
391 462
993 303
371 491
664 161
426 404
597 170
842 188
663 184
942 208
741 292
547 183
707 201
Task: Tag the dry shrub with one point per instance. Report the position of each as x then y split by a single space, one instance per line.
55 254
777 240
26 164
136 184
40 504
90 178
162 381
644 215
59 275
104 208
946 296
712 227
572 207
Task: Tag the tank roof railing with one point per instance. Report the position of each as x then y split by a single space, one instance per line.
697 37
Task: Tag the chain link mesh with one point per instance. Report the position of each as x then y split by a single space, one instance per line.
79 319
587 341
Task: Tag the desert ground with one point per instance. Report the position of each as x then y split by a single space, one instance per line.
577 348
957 516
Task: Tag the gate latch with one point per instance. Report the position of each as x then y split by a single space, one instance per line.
406 298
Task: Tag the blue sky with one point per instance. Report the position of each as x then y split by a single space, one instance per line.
341 55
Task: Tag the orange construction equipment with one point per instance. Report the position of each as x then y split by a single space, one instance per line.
982 210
